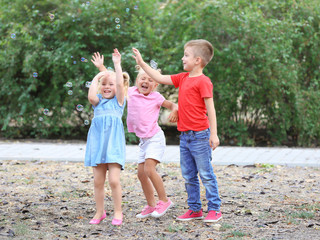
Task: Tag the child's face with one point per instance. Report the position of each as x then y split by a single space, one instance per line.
188 59
108 86
145 84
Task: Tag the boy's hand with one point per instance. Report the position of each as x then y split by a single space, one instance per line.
214 141
97 60
116 56
137 56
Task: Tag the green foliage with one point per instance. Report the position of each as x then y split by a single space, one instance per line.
265 71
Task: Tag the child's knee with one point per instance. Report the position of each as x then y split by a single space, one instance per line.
149 170
98 183
114 184
141 175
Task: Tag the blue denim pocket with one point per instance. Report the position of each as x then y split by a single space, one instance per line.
202 135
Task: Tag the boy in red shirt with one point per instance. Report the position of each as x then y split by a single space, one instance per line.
197 124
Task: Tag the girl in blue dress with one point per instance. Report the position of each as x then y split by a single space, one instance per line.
105 150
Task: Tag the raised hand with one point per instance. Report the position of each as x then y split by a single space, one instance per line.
97 60
116 56
137 56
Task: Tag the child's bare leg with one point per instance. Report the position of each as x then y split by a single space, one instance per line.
151 172
146 185
114 183
99 174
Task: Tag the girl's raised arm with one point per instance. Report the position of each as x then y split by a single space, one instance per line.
120 93
92 93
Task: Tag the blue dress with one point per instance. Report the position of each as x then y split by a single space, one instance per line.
106 140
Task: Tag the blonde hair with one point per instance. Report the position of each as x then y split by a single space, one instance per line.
126 81
141 71
201 48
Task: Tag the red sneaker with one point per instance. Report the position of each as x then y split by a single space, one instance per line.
190 215
213 216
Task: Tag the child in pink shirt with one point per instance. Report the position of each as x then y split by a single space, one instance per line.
144 104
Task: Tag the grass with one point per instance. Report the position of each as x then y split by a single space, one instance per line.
309 207
177 228
236 235
264 167
21 229
225 226
302 214
29 180
295 217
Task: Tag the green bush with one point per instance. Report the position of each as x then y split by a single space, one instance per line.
265 71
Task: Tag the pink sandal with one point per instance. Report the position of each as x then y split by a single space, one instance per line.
117 222
97 221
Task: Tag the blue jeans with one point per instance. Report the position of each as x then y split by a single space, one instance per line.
195 157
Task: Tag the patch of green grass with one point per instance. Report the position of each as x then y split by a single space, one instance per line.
295 217
177 228
225 226
264 167
236 235
21 229
309 207
29 180
302 214
69 194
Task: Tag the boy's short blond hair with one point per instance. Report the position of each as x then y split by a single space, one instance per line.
201 48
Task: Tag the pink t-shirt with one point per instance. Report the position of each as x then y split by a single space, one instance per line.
143 112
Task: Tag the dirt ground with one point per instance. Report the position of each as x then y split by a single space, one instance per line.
54 200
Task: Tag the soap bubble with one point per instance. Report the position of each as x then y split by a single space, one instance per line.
136 7
88 84
35 74
127 10
69 84
118 26
84 59
13 35
79 107
153 64
117 20
86 122
40 119
74 62
51 16
88 3
45 111
70 92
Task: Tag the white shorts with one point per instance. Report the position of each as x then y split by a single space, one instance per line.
152 147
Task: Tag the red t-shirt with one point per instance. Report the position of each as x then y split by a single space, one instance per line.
192 109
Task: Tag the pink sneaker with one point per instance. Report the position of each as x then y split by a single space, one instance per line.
190 215
146 212
213 216
161 208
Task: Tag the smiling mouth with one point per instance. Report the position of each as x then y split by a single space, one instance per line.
144 87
